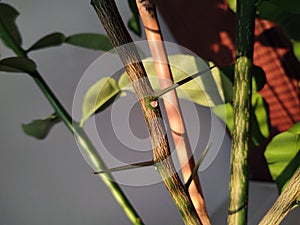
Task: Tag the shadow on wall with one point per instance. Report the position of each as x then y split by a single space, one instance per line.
208 29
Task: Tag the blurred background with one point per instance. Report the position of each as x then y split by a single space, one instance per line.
49 182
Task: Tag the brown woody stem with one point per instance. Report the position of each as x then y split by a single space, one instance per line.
121 40
152 29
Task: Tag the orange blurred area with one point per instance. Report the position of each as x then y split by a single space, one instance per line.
208 29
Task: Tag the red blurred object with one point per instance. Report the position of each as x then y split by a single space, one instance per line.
208 29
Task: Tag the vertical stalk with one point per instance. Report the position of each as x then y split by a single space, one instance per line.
89 149
78 132
238 198
185 156
120 38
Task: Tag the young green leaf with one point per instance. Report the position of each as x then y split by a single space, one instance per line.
90 41
17 65
50 40
98 97
9 30
40 128
232 5
209 89
134 21
283 156
225 113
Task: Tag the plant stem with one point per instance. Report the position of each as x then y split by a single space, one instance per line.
89 149
77 131
285 201
238 198
121 40
170 99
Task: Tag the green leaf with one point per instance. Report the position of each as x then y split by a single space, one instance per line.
90 41
295 129
283 157
288 21
296 48
232 5
209 89
9 30
40 128
134 21
225 113
17 65
98 97
260 128
50 40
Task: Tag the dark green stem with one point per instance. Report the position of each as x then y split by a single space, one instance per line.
81 137
238 199
89 149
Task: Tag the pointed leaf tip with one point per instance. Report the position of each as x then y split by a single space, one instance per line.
9 29
50 40
17 65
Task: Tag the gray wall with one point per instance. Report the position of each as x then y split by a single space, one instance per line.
49 182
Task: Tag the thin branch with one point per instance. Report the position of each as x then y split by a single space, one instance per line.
285 201
195 170
78 132
90 150
126 167
120 38
148 14
238 197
